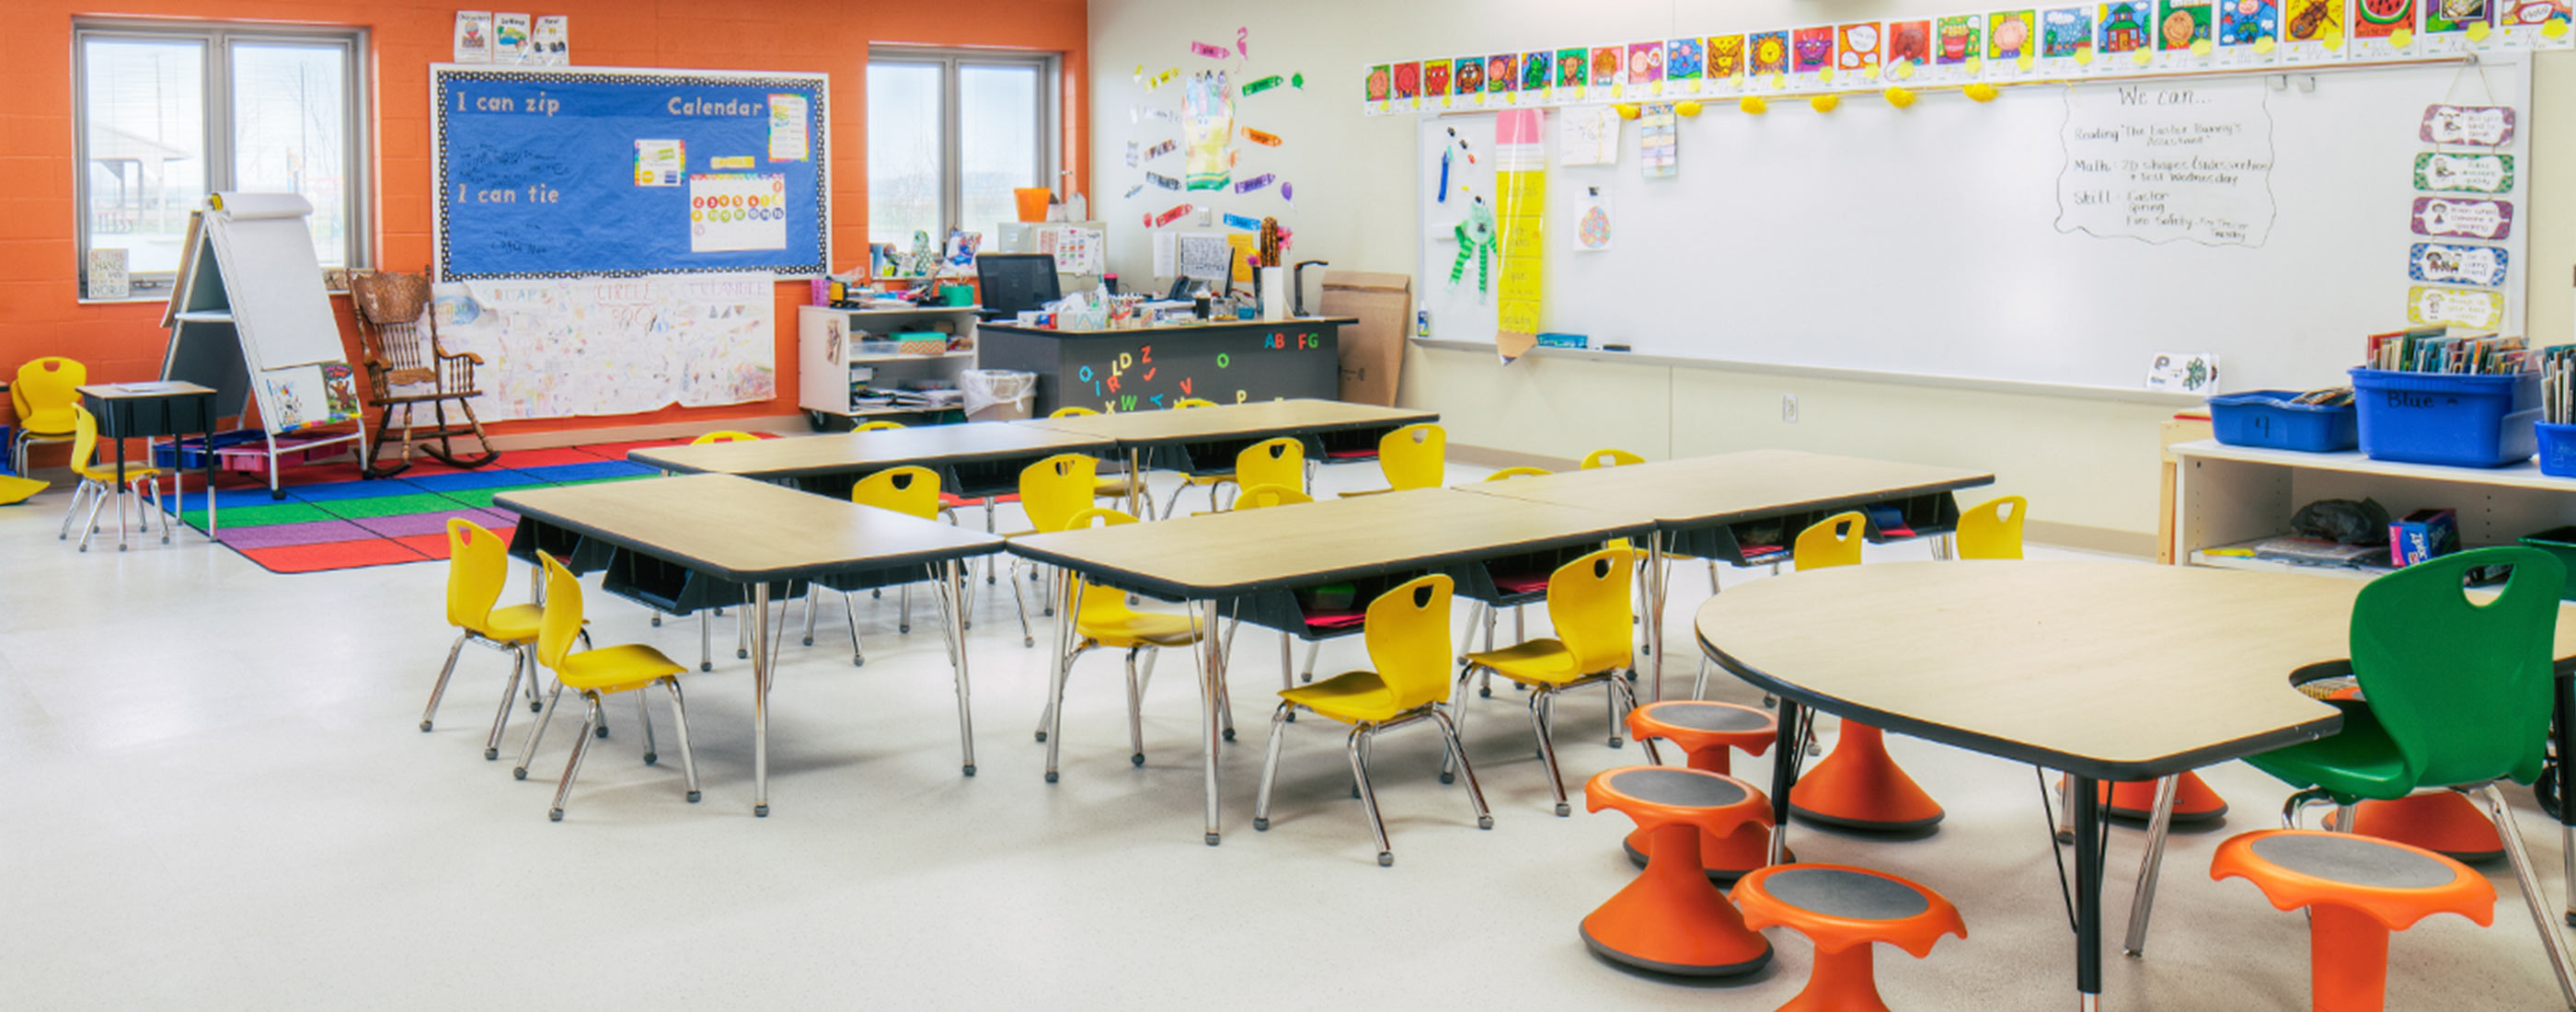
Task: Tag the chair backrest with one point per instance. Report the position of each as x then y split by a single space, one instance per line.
1509 473
1054 489
1192 402
879 425
561 620
1071 411
1097 605
1408 639
2461 687
1833 541
1271 462
1609 457
45 392
1588 602
393 327
909 490
1261 496
1414 456
723 436
1992 529
84 437
478 563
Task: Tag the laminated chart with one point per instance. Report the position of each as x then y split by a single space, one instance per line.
737 211
1520 181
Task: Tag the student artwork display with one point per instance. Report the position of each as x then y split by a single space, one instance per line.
1659 141
2097 38
1207 129
565 347
1588 135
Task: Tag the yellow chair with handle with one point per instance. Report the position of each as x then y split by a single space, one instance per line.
879 425
43 396
98 484
1992 529
478 565
1415 456
595 674
1102 618
1589 604
1052 492
1117 484
909 490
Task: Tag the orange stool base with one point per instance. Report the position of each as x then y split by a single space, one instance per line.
1846 912
1671 920
1723 858
2444 823
1858 786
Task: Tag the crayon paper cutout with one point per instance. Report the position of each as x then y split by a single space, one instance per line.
1260 182
1244 223
1607 65
1520 179
2011 35
2381 19
1159 150
2445 263
1909 43
1207 131
2247 22
1167 217
1259 85
2443 172
2467 307
1659 141
1811 49
2180 24
1768 54
2462 217
1684 60
1408 81
2065 31
2485 126
1725 57
1502 72
1211 52
1161 180
1573 67
1141 113
1158 80
2125 26
1435 78
1537 69
1645 64
1381 83
1467 75
2314 22
1857 46
1134 154
1956 39
1132 191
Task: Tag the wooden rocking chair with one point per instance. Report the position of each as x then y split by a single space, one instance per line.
406 368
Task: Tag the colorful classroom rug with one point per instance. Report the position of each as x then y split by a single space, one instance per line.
330 522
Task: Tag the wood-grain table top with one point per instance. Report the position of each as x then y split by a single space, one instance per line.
1254 420
1730 487
2111 670
854 452
745 531
1286 547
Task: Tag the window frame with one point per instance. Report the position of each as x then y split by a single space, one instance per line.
1050 114
216 40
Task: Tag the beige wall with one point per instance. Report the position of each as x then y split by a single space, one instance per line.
2085 462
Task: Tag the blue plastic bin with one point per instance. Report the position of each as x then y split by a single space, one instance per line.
2446 418
2557 451
2266 418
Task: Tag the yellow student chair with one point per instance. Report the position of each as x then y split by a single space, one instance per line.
1992 529
478 564
98 485
1415 456
1609 457
1588 602
1101 618
1408 642
1481 614
1188 481
1052 492
1117 484
43 396
1275 462
909 490
1857 785
877 426
596 673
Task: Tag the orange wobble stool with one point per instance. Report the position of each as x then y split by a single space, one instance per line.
1857 785
1706 731
2444 822
1671 919
1846 911
2357 889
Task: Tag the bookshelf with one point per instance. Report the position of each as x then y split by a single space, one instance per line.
828 360
2234 496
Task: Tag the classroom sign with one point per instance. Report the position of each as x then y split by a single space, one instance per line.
562 172
2161 163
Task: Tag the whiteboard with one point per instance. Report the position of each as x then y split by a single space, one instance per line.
273 281
1925 241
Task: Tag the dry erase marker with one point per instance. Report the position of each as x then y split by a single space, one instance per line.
1444 175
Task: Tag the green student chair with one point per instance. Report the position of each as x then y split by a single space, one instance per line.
2455 694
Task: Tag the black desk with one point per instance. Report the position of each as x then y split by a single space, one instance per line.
169 408
1228 362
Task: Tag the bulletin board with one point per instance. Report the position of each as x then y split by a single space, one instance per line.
565 172
1959 239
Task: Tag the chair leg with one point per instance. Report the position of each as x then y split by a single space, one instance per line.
1699 685
1053 733
1458 711
1538 705
2531 897
580 748
1020 601
1135 712
1712 578
1467 636
158 513
1466 770
1270 766
1623 699
80 491
519 663
98 497
1368 795
538 733
850 607
644 715
680 719
813 596
439 688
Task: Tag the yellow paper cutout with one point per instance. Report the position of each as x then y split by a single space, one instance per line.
2478 31
1779 81
1976 64
1753 105
2330 40
2554 29
1899 97
1869 73
1825 102
1981 91
2200 47
1903 71
2263 45
1686 107
1824 75
2140 57
2401 38
2024 62
2084 57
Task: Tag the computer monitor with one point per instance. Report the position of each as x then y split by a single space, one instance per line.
1016 282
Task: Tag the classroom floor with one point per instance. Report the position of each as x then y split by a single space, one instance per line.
219 798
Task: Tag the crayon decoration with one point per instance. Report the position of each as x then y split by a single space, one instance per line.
1259 85
1260 182
1161 180
1241 222
1157 80
1159 150
1261 137
1211 52
1270 242
1167 217
1132 191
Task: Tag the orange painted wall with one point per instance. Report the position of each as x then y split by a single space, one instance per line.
39 314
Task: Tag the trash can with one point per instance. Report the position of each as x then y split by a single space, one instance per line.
997 395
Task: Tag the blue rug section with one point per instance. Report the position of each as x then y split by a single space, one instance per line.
334 491
224 500
489 477
588 472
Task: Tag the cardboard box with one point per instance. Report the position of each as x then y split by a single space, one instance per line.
1372 350
2421 535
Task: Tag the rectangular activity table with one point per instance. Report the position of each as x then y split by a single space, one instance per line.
1202 440
1248 564
683 543
145 411
830 464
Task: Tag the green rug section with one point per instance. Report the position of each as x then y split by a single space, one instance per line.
387 505
481 498
260 516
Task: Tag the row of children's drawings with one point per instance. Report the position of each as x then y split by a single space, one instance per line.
2120 37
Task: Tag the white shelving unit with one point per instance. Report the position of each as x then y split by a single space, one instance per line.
2230 496
827 359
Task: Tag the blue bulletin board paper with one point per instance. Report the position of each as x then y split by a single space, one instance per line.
541 172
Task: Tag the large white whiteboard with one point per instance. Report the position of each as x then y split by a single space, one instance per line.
1925 240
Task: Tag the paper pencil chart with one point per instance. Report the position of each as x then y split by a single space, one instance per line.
1520 177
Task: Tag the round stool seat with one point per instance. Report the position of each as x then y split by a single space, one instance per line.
1844 910
2357 889
1670 919
1707 732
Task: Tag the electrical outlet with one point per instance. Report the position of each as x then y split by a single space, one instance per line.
1789 408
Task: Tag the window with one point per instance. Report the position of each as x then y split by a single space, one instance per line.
171 112
951 134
